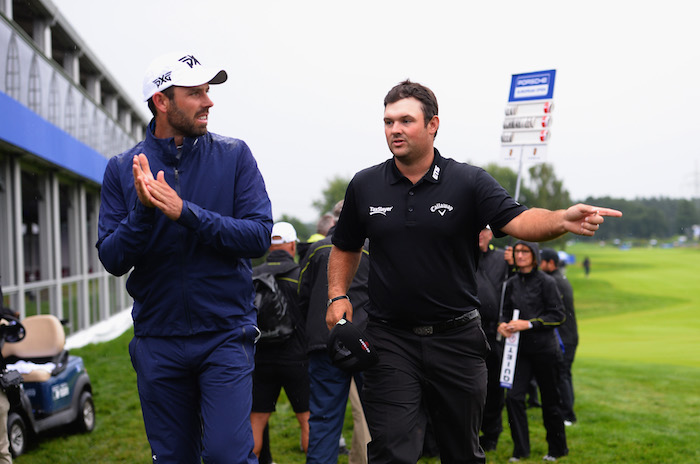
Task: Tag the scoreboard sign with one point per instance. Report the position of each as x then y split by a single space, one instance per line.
528 116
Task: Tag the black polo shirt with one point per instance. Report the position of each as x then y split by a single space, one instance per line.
423 238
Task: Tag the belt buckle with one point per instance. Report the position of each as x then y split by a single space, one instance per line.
423 330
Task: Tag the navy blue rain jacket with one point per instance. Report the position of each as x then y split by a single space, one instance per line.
193 275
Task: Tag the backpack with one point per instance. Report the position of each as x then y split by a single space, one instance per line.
274 320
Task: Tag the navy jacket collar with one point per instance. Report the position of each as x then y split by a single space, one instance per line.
166 149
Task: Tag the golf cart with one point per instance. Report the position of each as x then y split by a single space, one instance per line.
53 390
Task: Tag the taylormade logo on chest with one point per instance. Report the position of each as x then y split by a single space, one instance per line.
379 210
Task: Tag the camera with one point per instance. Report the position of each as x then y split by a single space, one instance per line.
10 379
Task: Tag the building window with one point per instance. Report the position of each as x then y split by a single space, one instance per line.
7 245
12 77
34 100
108 141
32 227
92 209
94 133
84 124
54 104
70 113
69 225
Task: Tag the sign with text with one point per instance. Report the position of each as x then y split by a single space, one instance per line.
510 356
532 86
528 116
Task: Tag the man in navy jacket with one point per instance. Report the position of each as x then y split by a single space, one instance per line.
185 210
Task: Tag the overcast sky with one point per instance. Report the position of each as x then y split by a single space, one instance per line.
307 80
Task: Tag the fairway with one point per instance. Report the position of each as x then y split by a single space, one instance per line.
638 305
636 375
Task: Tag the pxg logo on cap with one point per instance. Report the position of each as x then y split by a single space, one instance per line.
349 349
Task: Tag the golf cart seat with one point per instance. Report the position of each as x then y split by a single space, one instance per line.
43 343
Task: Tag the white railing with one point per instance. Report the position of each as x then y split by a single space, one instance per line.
44 87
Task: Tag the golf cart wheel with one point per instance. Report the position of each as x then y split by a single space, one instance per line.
17 434
86 413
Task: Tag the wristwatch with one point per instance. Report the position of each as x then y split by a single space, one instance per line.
332 300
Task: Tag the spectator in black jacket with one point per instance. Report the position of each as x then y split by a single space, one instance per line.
568 332
491 275
537 297
282 364
330 385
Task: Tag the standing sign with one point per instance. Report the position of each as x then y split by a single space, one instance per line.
526 126
528 119
510 356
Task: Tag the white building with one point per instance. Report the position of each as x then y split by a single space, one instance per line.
61 117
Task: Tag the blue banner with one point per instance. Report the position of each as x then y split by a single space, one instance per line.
532 86
21 127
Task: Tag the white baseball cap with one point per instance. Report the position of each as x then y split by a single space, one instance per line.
180 69
283 232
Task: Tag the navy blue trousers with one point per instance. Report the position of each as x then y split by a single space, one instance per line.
328 401
196 395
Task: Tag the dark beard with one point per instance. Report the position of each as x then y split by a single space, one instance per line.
182 124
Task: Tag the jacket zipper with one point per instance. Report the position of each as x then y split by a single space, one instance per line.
183 247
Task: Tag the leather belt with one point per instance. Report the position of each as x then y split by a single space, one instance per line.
464 319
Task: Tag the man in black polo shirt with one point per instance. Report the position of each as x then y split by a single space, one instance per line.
422 214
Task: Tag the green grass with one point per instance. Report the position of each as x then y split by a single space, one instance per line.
639 305
637 375
119 435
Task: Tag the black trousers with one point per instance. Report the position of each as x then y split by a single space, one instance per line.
566 383
443 375
492 425
543 366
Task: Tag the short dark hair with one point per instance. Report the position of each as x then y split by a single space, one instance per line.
169 92
423 94
549 254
